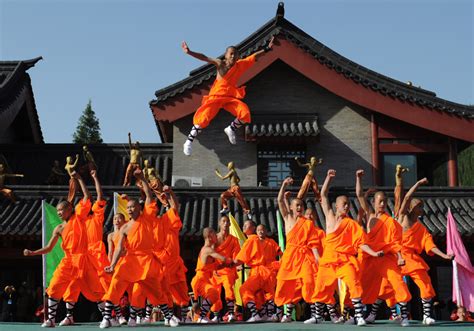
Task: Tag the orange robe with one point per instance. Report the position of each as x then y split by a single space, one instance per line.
225 94
226 277
295 278
259 255
75 273
415 240
339 261
383 236
175 267
203 284
94 226
139 266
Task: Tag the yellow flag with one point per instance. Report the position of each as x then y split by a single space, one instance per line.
120 205
237 232
342 293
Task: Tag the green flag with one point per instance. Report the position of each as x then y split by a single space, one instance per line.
281 237
52 259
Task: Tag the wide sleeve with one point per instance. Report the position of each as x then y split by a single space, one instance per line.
82 209
174 220
428 243
150 210
245 253
245 63
98 208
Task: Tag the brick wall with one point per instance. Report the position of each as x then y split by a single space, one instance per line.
343 143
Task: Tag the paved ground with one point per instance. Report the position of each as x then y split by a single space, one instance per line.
380 325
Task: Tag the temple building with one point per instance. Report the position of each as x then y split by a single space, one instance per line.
305 99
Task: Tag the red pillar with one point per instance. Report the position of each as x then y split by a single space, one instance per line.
375 150
452 163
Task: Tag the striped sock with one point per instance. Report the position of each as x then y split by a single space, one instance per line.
108 310
184 312
279 311
403 309
148 310
166 311
236 124
230 307
270 308
205 307
101 307
133 312
426 307
70 309
318 311
332 311
195 130
358 307
52 308
393 312
253 308
375 307
118 311
289 309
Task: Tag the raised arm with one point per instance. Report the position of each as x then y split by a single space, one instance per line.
284 210
130 141
75 162
303 165
230 173
146 188
173 199
98 187
83 186
364 204
49 247
325 205
265 49
409 195
199 56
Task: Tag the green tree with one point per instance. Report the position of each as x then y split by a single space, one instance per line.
88 129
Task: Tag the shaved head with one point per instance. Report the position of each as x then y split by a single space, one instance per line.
207 232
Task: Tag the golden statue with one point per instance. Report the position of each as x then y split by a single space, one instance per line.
155 182
73 183
233 191
135 160
310 179
398 192
90 162
8 193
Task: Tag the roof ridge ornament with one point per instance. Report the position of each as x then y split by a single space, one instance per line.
280 13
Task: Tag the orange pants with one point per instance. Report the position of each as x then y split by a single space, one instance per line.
326 282
293 290
129 172
374 270
211 106
255 288
73 186
203 287
227 281
422 280
234 191
149 288
179 293
66 284
308 182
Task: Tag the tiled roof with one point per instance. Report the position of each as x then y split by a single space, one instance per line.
15 89
36 161
357 73
200 208
298 126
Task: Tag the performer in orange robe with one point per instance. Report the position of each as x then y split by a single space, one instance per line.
258 252
75 273
94 226
224 92
295 278
113 242
416 238
227 245
202 283
175 268
140 266
382 235
343 238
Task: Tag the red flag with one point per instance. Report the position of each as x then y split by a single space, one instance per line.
463 271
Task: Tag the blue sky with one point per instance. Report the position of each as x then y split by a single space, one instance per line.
119 52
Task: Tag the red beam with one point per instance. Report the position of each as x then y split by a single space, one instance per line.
452 163
412 148
375 151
